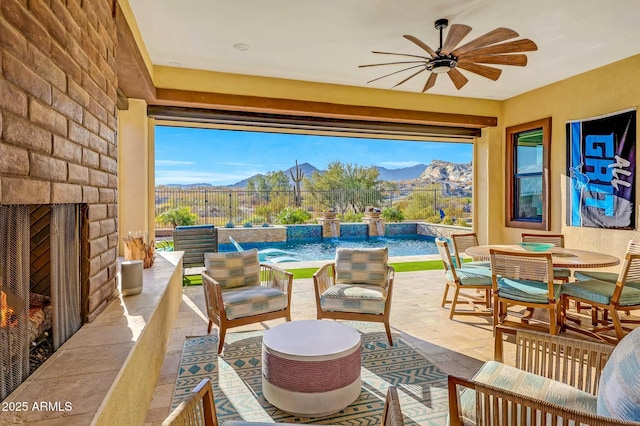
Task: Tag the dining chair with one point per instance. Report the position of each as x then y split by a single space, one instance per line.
357 286
461 242
464 279
607 296
240 290
560 274
524 279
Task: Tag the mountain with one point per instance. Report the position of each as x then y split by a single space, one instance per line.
306 168
444 171
405 173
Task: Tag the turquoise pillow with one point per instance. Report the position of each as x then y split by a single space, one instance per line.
454 259
619 390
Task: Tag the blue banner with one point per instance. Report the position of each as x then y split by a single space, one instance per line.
601 163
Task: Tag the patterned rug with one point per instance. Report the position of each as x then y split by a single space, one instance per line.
236 379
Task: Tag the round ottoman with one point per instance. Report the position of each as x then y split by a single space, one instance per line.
311 368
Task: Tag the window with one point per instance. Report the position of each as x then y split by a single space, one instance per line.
527 175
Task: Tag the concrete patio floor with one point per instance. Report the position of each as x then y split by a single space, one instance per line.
457 347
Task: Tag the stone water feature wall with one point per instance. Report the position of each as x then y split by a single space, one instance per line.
58 123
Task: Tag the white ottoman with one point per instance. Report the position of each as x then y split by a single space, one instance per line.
311 368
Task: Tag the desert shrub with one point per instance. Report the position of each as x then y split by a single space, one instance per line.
392 214
433 218
448 221
290 216
180 216
351 217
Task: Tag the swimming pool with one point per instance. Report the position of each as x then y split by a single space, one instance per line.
325 249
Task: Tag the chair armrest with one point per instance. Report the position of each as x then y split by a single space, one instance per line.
275 277
324 278
578 363
212 294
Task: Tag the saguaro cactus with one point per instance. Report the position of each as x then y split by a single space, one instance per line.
297 179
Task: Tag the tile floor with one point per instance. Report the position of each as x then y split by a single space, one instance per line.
457 347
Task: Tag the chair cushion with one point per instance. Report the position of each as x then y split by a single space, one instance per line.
619 392
561 273
515 380
360 298
234 269
240 302
526 291
610 277
471 276
601 292
362 266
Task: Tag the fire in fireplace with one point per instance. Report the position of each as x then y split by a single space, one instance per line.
40 303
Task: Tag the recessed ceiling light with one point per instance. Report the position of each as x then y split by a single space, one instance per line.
243 47
174 64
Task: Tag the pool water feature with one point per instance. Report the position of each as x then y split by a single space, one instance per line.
325 249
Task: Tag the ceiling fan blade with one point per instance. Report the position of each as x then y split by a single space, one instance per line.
456 33
492 37
391 63
410 77
420 43
430 82
524 45
488 72
516 60
458 79
395 72
400 54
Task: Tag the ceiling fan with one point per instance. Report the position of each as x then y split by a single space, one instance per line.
486 49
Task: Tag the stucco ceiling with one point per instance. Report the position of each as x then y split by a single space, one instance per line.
325 41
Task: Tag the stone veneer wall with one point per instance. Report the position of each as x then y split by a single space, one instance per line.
58 122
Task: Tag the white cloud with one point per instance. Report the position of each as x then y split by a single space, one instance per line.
398 164
165 177
174 163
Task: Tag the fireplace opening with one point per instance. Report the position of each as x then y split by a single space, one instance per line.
40 286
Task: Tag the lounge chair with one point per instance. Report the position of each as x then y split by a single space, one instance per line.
269 255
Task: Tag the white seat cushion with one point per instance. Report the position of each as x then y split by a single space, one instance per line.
240 302
369 299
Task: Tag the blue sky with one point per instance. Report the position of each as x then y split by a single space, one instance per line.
223 157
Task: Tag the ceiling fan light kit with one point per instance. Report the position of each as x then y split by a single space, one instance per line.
490 48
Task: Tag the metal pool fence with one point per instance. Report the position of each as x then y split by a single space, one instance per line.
240 207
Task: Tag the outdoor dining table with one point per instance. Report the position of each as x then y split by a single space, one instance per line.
561 257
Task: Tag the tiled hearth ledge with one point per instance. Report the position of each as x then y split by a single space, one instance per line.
106 373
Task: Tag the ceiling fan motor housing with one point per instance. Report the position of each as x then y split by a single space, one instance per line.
442 64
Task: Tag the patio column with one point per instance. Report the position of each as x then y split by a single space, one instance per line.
135 171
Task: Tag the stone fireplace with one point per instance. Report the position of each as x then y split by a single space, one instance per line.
40 285
58 147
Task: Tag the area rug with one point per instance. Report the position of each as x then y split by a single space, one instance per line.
236 379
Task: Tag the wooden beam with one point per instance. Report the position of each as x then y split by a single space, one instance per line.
289 121
133 76
256 104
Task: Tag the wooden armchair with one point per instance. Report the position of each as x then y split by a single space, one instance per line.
555 381
239 290
358 286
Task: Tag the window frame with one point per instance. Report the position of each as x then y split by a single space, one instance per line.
511 220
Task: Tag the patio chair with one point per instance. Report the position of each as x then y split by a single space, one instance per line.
239 290
357 286
195 241
460 279
199 409
524 279
555 381
460 243
609 297
559 274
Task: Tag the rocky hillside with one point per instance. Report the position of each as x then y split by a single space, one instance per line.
444 171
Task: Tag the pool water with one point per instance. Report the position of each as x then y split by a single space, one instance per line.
305 250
